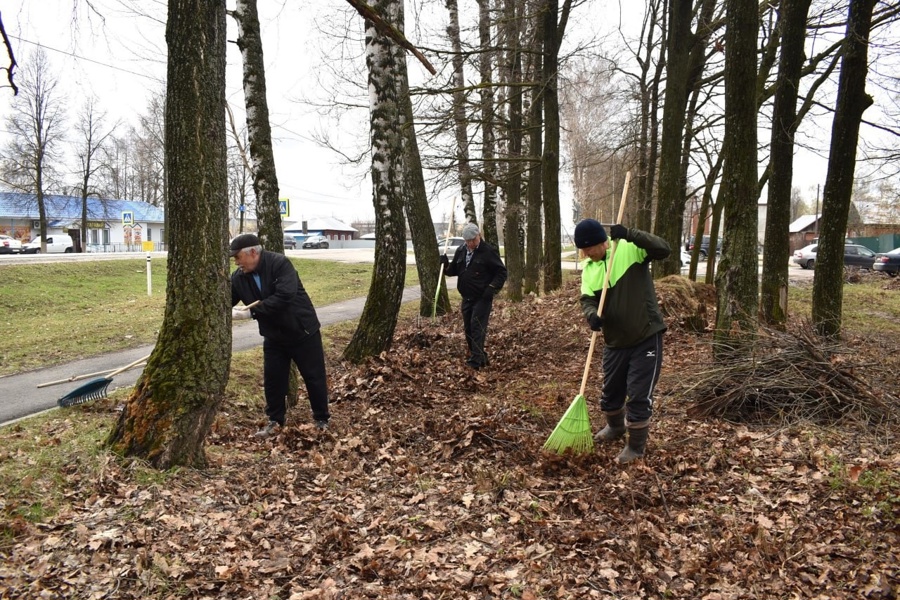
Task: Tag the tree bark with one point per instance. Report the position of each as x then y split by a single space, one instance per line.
737 279
774 284
852 101
259 131
552 261
460 120
488 139
421 225
671 193
513 182
379 317
169 412
532 242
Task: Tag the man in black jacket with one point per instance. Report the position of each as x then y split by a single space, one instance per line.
289 326
481 274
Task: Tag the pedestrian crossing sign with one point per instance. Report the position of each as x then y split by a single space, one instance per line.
284 207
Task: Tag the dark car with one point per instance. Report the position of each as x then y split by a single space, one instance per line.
289 242
704 247
854 256
888 262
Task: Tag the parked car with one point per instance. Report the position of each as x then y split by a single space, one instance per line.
704 246
685 258
455 242
58 242
316 241
854 256
888 262
289 242
10 245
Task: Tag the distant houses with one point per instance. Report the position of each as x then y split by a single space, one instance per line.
112 225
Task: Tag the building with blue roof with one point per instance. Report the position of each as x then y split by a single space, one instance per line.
112 225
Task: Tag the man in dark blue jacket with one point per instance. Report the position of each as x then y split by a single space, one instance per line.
481 273
289 326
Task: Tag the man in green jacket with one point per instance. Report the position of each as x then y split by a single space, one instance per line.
632 327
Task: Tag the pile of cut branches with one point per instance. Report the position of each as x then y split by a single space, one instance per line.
793 376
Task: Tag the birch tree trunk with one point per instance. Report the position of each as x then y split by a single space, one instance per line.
379 317
460 120
533 238
737 279
259 131
852 102
774 285
169 412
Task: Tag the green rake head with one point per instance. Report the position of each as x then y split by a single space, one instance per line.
573 430
92 390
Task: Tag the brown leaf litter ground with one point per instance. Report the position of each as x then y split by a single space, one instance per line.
431 483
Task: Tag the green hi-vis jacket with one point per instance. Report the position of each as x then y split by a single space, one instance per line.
631 312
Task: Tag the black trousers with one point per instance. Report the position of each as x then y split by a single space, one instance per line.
309 356
476 314
632 373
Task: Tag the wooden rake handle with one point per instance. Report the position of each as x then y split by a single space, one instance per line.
605 288
106 373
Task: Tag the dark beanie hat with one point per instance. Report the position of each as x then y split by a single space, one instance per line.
245 240
589 233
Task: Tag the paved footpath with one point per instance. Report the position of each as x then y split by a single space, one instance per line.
20 396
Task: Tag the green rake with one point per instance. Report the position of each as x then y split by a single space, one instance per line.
96 388
574 429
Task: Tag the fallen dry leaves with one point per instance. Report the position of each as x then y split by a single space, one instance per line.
431 483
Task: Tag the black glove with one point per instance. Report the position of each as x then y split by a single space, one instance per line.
618 232
445 261
596 322
488 293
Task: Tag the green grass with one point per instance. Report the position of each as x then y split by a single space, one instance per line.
867 308
58 312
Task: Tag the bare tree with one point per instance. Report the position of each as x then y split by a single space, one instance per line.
852 101
168 414
90 150
36 126
486 60
379 317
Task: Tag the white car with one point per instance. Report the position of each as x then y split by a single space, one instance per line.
10 245
58 242
455 242
316 241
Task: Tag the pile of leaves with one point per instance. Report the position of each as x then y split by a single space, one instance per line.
431 483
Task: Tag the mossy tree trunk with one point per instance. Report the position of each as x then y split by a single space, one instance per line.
379 317
532 243
512 69
170 410
460 120
852 101
418 213
737 279
774 284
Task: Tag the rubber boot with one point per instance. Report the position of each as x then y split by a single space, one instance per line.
615 427
634 449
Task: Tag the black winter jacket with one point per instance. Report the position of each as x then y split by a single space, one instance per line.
286 313
485 269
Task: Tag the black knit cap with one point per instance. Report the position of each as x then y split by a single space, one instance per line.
589 233
245 240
